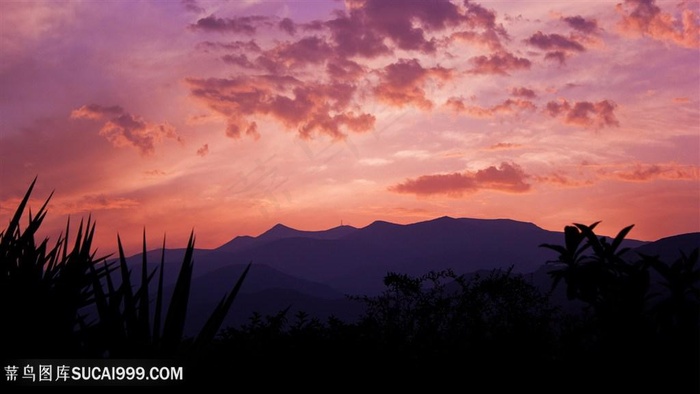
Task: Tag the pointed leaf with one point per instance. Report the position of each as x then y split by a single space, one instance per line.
620 237
174 324
211 327
159 298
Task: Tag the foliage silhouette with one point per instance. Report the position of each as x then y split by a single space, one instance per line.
63 302
44 287
632 324
641 318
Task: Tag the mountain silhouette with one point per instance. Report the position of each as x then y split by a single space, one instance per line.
312 271
354 261
280 231
670 248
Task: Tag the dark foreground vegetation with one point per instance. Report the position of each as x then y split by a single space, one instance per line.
636 324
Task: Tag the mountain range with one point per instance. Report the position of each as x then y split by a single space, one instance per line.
313 271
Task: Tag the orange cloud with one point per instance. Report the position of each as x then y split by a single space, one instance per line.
203 150
557 46
554 42
560 179
309 108
507 107
504 146
644 17
498 63
648 172
244 24
96 202
486 32
125 130
508 177
587 26
584 113
523 92
404 24
402 83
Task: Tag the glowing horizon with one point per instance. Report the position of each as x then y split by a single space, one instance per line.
226 118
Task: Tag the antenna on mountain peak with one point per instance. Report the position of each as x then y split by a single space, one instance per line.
341 222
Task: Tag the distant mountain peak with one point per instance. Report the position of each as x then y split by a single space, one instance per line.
279 230
280 226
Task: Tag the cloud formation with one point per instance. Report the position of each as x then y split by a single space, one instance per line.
508 177
584 113
203 150
242 24
97 202
404 24
323 66
309 108
192 6
123 129
648 172
505 146
498 63
583 25
523 92
644 17
401 83
507 107
557 47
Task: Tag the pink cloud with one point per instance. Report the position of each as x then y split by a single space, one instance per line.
508 177
244 24
309 108
371 28
155 172
644 17
507 107
505 146
523 92
287 25
587 26
351 38
584 113
554 42
559 178
94 111
344 69
559 56
557 46
192 6
498 63
489 39
480 17
402 82
484 31
308 50
203 150
250 45
649 172
95 202
405 23
125 130
238 60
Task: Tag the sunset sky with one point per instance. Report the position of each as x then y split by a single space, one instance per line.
227 117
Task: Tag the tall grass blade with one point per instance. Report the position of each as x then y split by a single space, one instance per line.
211 327
174 325
159 298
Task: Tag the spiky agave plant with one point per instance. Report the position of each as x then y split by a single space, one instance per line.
43 288
126 328
62 302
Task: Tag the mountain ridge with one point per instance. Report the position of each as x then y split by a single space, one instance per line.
312 270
